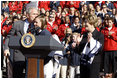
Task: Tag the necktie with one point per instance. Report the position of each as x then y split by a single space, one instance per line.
29 28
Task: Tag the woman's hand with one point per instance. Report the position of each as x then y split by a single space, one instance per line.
79 38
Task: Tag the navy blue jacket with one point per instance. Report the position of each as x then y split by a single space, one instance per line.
45 32
54 5
74 29
64 61
74 56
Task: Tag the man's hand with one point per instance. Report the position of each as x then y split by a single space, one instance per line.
6 52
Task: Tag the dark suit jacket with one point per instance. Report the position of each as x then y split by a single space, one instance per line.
97 36
91 70
45 32
18 30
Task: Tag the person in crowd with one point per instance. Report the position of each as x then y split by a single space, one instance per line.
98 10
59 10
63 4
74 4
100 24
66 10
47 13
110 49
77 13
63 15
83 30
76 27
51 25
105 22
91 11
19 7
54 4
74 66
72 13
63 63
82 3
90 46
114 15
62 28
5 7
104 9
42 11
19 28
7 27
84 10
99 3
12 6
110 6
58 15
90 6
44 4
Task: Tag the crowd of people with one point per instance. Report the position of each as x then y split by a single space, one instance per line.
86 29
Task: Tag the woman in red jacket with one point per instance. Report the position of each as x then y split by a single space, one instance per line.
110 49
51 24
74 4
61 31
13 6
44 4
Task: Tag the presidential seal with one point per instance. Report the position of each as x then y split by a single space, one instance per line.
28 40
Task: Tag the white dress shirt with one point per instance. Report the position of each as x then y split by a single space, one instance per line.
26 25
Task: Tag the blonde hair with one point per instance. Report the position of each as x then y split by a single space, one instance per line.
70 30
92 19
75 33
43 21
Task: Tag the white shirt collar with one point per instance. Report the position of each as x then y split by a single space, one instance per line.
109 28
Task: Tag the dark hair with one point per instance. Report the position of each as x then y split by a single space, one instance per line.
111 18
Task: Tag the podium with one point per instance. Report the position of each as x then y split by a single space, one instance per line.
36 54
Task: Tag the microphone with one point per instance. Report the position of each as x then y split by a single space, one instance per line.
37 30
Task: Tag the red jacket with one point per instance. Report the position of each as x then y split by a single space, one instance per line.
19 6
51 28
115 4
7 28
13 7
58 21
76 4
110 43
44 4
61 30
84 30
25 2
63 4
3 22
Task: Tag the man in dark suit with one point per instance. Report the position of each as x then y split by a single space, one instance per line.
19 28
